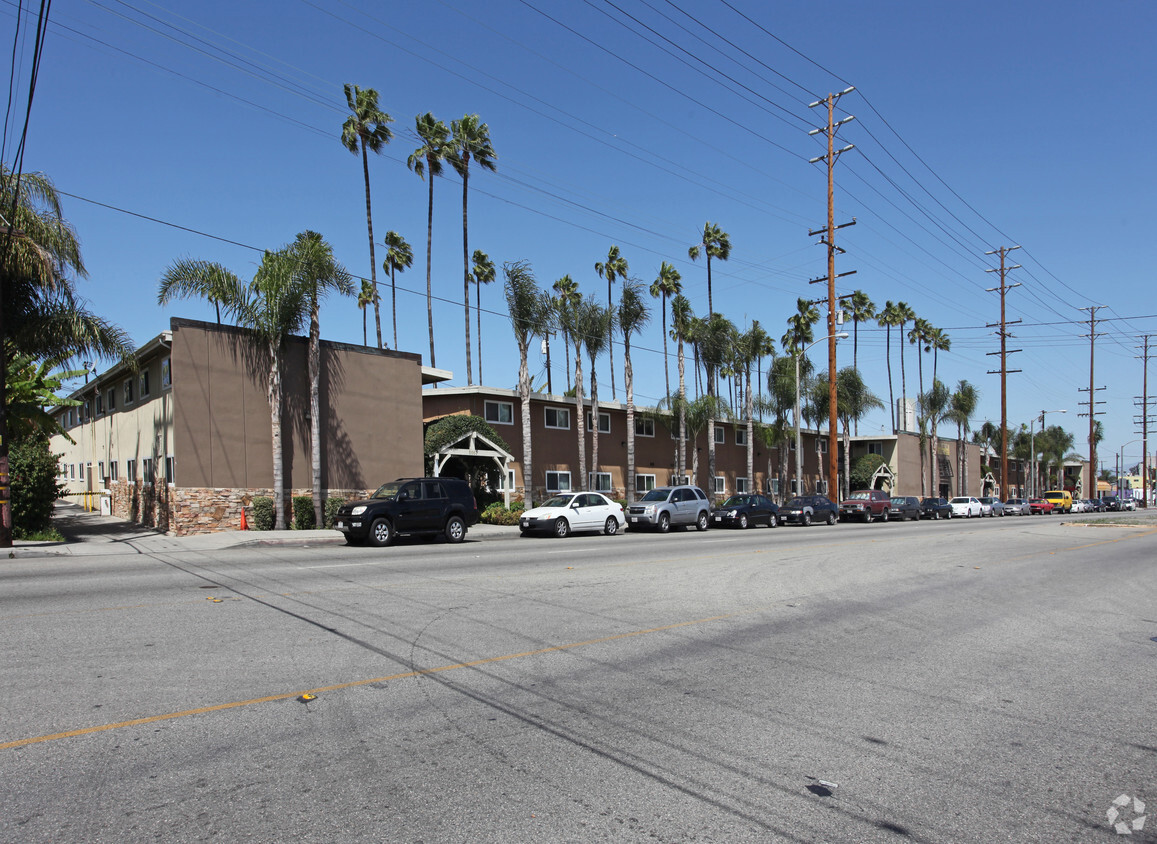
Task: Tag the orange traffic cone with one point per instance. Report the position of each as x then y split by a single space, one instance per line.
244 523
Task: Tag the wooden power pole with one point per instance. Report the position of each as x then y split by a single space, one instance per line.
1004 370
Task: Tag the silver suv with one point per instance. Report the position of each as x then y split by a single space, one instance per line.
665 506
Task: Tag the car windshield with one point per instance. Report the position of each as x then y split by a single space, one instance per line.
656 495
860 496
388 491
959 500
798 502
930 501
557 501
738 501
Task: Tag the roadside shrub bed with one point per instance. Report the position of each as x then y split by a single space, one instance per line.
33 469
303 518
329 511
262 513
498 513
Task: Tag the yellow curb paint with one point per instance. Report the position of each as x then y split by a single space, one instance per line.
202 710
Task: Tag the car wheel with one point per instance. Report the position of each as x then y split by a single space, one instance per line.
968 513
455 529
743 521
884 516
806 519
772 521
381 533
664 523
701 521
936 515
561 527
831 518
611 527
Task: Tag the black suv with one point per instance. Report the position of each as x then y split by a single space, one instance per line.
426 506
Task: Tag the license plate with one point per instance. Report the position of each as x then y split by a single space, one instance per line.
634 518
339 525
718 518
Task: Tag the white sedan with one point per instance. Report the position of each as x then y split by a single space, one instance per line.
966 506
570 511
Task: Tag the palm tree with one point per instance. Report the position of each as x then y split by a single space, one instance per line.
435 148
366 296
366 129
762 346
399 258
566 291
887 318
903 316
715 243
964 402
632 317
714 346
919 337
799 327
274 306
858 308
188 278
40 313
470 139
574 316
319 273
599 324
747 346
615 267
697 414
666 284
483 274
853 401
939 341
681 319
525 306
936 406
780 403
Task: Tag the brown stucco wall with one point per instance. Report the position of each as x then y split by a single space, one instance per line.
371 412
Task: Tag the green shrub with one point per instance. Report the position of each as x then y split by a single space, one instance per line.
303 515
862 470
329 511
262 509
498 514
33 469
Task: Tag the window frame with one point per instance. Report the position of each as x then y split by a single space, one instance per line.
720 485
641 487
594 478
741 436
602 416
113 471
546 412
143 391
558 474
488 403
646 422
128 392
166 373
170 469
131 471
742 486
720 435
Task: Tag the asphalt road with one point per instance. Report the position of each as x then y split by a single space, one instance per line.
964 681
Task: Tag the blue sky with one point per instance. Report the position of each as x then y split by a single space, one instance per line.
977 125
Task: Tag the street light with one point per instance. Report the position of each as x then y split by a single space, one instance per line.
842 335
1032 446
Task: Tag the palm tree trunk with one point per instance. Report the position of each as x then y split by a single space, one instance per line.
610 343
749 401
524 394
315 411
580 416
629 387
466 275
681 457
594 426
710 305
934 464
365 337
891 395
274 395
566 353
429 277
666 361
373 260
711 434
549 385
478 320
903 377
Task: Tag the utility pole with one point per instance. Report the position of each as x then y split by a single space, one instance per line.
830 240
1145 420
1092 402
1004 353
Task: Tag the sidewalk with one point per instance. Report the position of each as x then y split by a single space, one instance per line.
91 534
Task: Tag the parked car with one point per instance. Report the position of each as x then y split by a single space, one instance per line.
1098 505
573 511
745 510
665 506
1111 502
905 507
427 506
1080 505
1040 506
805 509
1017 507
865 505
935 508
1061 499
966 506
993 506
1128 504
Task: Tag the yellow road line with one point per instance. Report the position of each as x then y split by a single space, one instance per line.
338 686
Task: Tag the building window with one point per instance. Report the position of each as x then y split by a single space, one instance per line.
823 441
791 444
507 484
87 411
644 427
720 485
147 470
72 471
100 469
644 484
680 480
130 470
111 399
720 435
128 392
558 481
558 417
794 487
604 422
600 481
169 476
144 383
821 486
499 412
741 436
112 467
99 404
876 448
166 374
741 485
773 487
